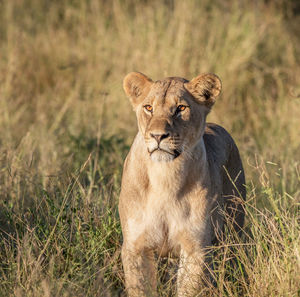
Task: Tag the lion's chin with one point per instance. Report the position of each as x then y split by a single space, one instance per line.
162 156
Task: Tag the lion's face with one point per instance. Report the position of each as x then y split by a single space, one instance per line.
169 120
171 113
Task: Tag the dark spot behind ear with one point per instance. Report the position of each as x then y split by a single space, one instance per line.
206 94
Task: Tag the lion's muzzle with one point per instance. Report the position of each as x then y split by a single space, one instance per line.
160 149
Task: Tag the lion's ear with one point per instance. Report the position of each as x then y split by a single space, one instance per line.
136 86
205 88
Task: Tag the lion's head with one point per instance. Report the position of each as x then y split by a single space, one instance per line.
171 113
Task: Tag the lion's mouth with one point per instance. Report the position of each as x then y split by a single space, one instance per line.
175 153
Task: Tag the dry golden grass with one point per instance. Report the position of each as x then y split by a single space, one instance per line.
66 126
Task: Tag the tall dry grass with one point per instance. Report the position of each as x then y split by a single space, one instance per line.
66 126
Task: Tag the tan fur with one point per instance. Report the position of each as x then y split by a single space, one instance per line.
180 179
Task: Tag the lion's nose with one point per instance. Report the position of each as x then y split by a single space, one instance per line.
160 137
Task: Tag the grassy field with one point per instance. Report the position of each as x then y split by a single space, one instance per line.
66 127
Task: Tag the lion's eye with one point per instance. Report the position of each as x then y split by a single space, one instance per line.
148 108
180 108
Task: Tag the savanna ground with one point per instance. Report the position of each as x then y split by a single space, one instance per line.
66 126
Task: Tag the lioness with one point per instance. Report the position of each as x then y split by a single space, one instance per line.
181 178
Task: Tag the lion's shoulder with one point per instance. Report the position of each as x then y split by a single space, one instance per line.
213 132
218 143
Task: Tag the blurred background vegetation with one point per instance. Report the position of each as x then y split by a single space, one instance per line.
66 127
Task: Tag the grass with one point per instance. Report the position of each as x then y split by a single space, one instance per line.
66 127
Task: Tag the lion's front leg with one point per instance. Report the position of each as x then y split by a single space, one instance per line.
194 273
140 272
